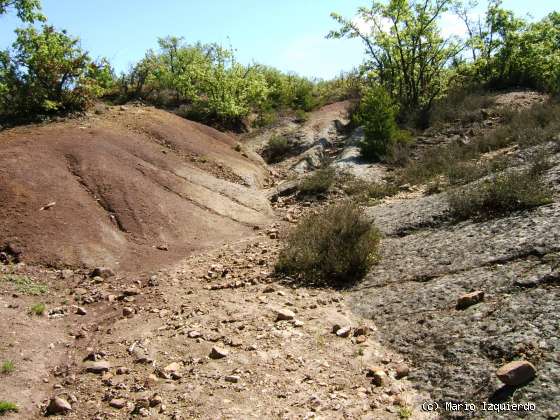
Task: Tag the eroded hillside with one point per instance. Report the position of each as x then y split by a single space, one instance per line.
129 188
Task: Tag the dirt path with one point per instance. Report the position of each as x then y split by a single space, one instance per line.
158 361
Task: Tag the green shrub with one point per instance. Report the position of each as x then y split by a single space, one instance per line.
265 119
7 406
277 149
503 194
301 116
7 367
318 182
48 73
364 191
38 309
334 247
376 112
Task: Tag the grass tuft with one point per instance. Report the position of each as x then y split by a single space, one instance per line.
7 406
7 367
38 309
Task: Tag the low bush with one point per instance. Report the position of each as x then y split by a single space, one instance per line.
318 182
334 247
505 193
301 116
7 406
364 191
460 106
277 148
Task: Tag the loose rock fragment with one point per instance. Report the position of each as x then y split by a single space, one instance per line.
218 353
402 370
516 373
377 375
117 403
128 312
58 405
103 272
344 332
98 367
470 299
284 315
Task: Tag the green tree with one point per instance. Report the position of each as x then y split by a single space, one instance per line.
26 10
508 51
376 113
405 49
47 72
204 77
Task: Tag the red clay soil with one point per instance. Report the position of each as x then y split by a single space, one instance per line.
128 185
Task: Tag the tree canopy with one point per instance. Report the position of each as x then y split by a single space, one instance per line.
26 10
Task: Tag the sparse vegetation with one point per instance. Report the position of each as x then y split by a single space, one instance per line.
334 247
38 309
405 412
458 162
502 194
301 116
7 367
7 406
319 182
364 191
24 284
277 148
460 106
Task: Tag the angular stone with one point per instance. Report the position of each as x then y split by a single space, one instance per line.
516 373
58 405
344 332
98 367
232 379
284 315
218 353
469 299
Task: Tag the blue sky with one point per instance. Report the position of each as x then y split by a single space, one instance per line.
288 34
